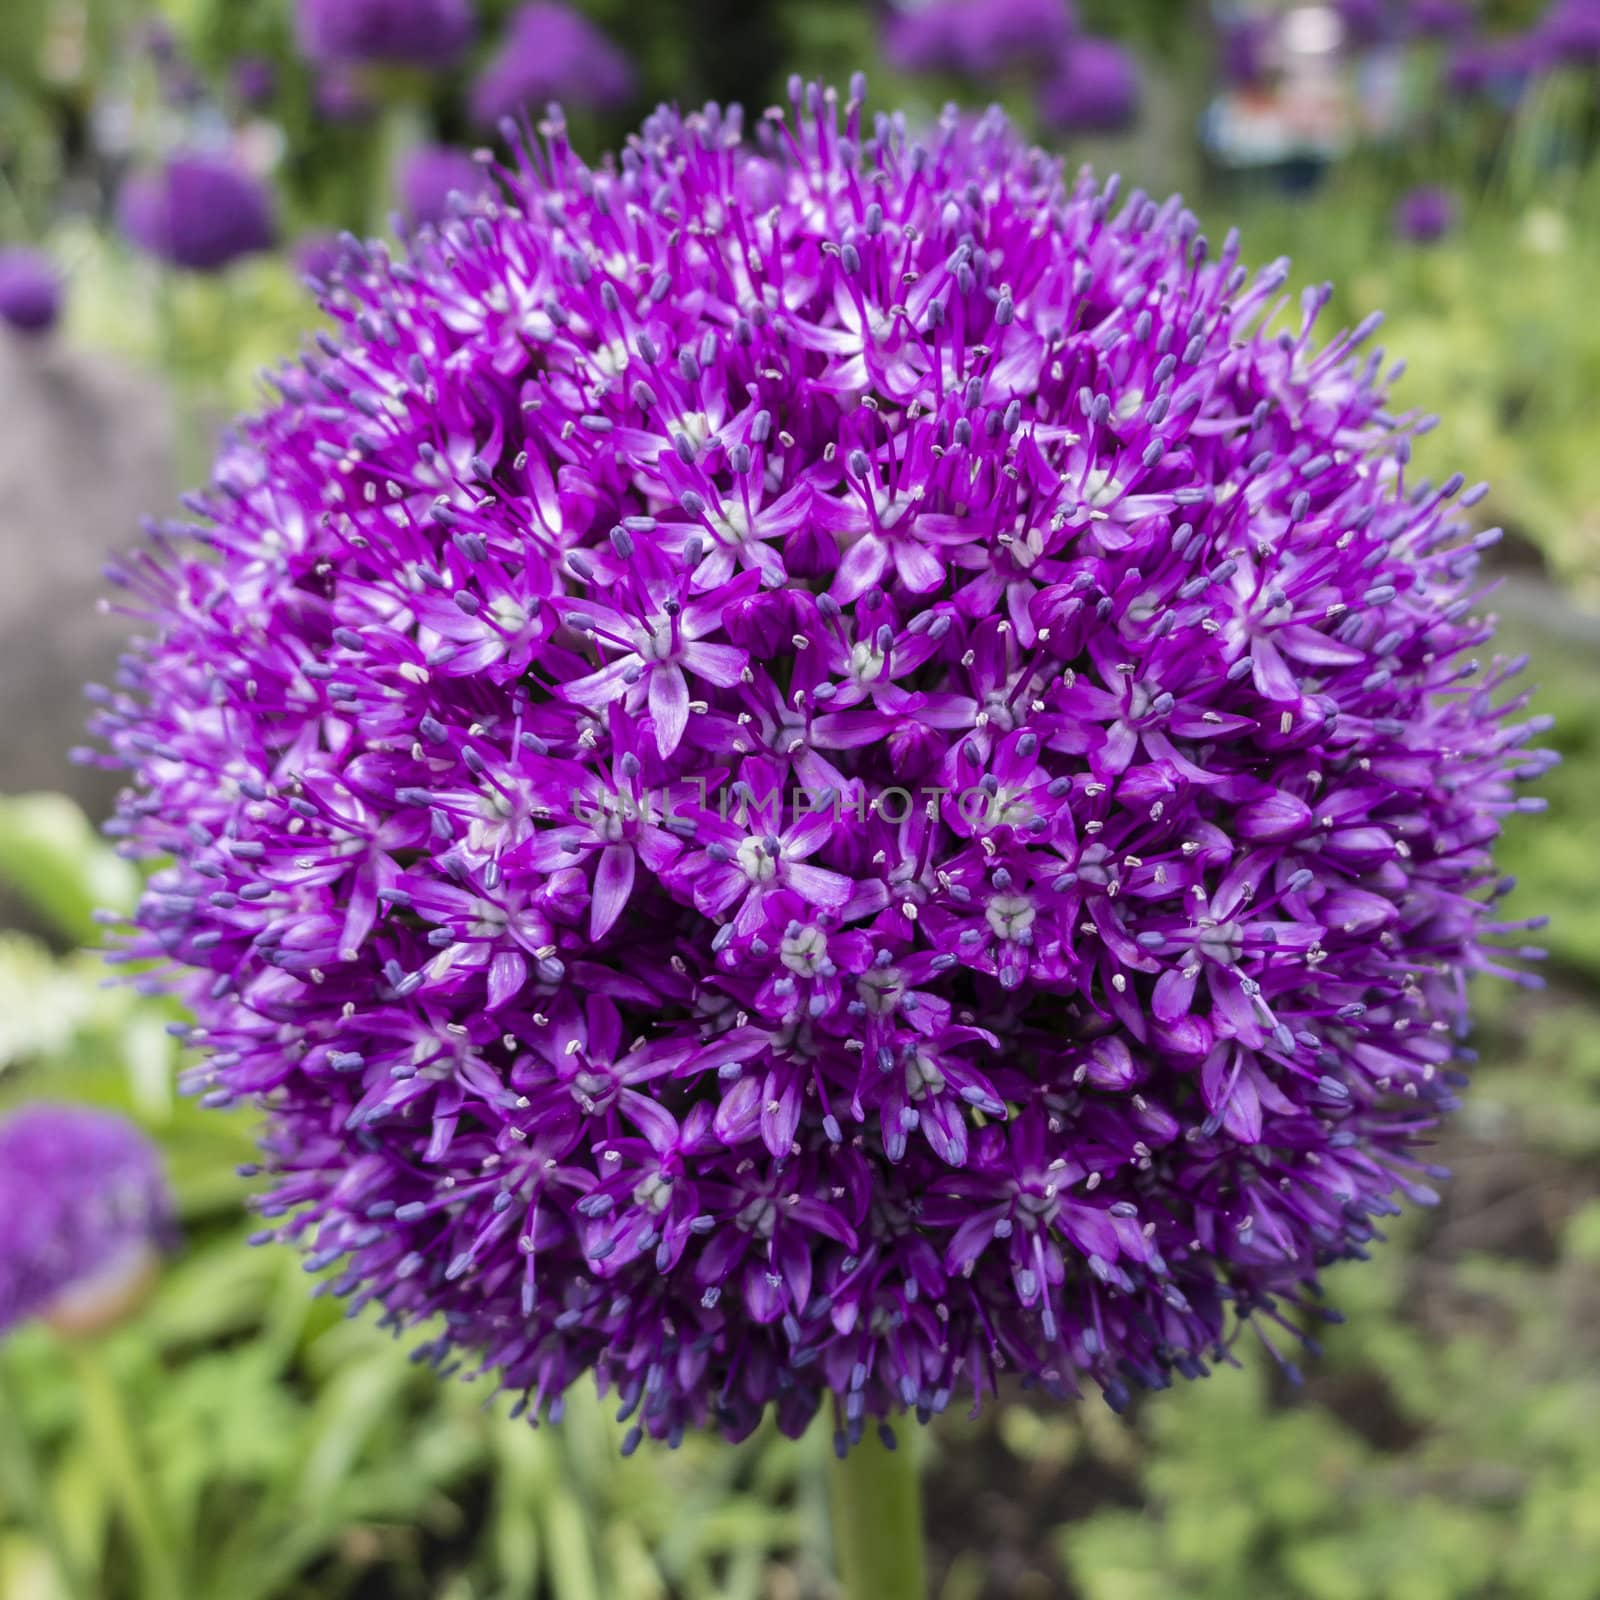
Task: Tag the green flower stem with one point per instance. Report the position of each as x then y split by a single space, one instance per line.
22 1474
877 1521
401 126
112 1435
191 454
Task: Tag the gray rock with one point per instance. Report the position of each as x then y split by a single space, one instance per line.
86 447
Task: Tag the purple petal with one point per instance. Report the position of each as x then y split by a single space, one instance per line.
613 884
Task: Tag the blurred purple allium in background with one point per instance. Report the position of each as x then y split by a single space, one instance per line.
339 96
255 81
84 1209
976 38
1500 67
1366 22
1425 214
181 85
1093 89
1570 32
1440 19
550 52
30 290
197 210
1527 55
1471 66
809 771
1242 50
427 175
412 33
317 254
158 39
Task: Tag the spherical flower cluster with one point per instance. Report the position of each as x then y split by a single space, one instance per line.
1425 215
813 767
1244 47
1094 89
1570 33
255 81
1501 67
427 175
550 52
198 210
30 290
342 97
1439 19
977 38
180 84
409 33
1366 22
83 1210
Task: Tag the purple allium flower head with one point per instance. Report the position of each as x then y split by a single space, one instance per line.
1471 66
1425 215
927 37
807 769
1570 32
30 290
1366 22
1440 19
1242 45
198 210
83 1208
550 52
1474 66
426 176
157 37
1094 89
255 81
1500 66
976 37
1524 56
180 83
411 33
340 97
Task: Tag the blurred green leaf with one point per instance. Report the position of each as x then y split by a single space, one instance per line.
51 854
